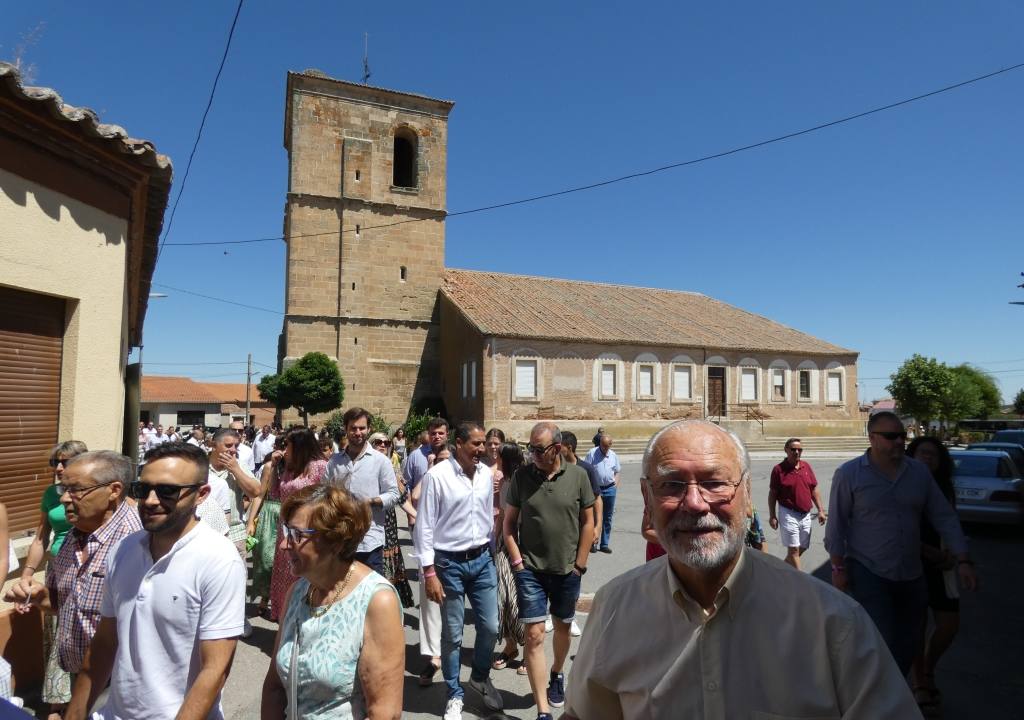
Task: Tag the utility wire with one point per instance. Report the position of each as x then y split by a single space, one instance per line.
199 134
639 174
217 299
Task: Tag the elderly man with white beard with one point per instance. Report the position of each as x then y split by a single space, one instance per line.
714 631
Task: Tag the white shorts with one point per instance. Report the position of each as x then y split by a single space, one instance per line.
794 528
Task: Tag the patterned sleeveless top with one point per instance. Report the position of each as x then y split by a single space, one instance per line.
328 652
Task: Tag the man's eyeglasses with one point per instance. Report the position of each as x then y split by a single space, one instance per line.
538 449
712 491
796 450
164 491
888 435
77 491
296 535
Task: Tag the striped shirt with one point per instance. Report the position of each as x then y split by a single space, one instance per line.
75 580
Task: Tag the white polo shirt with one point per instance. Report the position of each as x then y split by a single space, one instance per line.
194 592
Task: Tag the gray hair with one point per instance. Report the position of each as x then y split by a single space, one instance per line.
107 467
681 425
68 449
556 434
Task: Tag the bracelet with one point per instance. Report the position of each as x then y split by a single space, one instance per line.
517 562
432 573
30 566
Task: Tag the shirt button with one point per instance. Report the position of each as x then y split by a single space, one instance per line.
712 686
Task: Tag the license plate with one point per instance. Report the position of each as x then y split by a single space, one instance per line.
965 493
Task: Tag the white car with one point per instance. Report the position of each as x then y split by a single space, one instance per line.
988 486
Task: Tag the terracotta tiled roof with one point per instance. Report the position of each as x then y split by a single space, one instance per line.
523 306
170 388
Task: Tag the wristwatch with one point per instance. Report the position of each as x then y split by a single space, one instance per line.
580 570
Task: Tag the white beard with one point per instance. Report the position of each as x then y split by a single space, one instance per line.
701 552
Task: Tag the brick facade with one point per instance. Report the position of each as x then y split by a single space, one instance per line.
365 257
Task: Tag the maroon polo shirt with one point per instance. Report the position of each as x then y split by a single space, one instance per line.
793 485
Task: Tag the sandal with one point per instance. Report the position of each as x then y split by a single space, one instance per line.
521 670
428 673
504 659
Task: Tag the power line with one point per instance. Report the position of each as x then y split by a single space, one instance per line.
233 362
217 299
639 174
199 134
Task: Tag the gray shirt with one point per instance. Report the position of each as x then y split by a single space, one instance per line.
416 466
877 521
369 476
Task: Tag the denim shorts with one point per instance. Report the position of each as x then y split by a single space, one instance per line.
535 590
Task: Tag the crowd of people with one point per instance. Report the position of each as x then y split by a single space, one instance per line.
149 566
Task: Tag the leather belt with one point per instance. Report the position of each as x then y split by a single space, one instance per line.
464 555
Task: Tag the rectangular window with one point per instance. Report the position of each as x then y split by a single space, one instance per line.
188 418
805 384
645 381
472 379
748 384
681 379
835 387
465 379
609 381
778 384
526 379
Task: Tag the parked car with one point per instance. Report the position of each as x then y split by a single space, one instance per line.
1009 436
1015 451
988 486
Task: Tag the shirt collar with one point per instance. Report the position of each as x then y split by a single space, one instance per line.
865 461
542 476
104 531
730 596
177 546
363 453
457 468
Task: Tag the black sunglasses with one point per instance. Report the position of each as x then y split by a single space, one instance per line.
890 435
538 450
59 461
164 491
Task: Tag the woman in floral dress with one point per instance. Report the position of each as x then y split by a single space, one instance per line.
304 465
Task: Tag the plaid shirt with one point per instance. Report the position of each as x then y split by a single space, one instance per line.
75 583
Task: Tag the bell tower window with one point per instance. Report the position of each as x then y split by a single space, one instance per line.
405 159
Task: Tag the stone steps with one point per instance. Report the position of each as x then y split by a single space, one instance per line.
846 443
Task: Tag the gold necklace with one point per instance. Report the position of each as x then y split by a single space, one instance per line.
319 610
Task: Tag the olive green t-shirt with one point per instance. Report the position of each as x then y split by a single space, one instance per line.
549 515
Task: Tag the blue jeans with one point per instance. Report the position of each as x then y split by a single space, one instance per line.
898 608
476 579
608 500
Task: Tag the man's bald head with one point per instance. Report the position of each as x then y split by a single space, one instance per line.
700 431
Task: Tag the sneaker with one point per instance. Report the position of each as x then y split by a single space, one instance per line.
489 694
556 690
594 548
427 674
574 629
453 710
545 716
606 550
548 625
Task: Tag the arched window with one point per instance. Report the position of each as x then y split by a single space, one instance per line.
405 159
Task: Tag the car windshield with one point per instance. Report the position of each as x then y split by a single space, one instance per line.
977 465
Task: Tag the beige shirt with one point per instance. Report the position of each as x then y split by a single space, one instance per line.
777 645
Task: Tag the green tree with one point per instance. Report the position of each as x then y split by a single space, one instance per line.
990 400
961 399
1018 402
919 387
312 385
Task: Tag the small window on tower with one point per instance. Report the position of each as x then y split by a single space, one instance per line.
405 159
403 273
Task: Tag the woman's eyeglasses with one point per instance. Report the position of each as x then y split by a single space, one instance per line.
296 535
59 461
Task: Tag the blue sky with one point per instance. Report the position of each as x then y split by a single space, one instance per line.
896 234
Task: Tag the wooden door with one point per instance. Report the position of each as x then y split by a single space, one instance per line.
716 392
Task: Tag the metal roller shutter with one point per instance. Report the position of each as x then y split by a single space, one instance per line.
31 343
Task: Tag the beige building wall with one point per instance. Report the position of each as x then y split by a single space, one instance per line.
568 384
54 245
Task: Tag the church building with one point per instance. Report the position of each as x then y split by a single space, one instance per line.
367 285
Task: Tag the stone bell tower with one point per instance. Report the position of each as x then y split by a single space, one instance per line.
364 221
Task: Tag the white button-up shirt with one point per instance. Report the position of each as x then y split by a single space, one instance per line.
456 511
164 610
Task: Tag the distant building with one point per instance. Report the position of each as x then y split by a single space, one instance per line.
171 400
81 207
366 284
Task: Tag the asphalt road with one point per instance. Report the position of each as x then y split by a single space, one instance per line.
980 675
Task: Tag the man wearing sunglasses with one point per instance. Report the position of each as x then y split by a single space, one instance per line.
548 529
874 534
173 604
714 630
795 488
92 490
